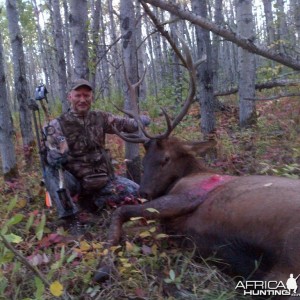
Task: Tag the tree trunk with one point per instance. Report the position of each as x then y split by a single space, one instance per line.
117 82
141 52
152 69
104 67
21 85
246 64
67 40
295 8
282 26
205 72
128 31
176 70
219 20
95 40
78 23
43 55
269 21
60 54
7 150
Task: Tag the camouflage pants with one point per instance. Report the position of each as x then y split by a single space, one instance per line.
117 191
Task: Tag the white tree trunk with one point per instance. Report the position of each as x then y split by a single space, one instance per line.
78 23
7 150
205 73
128 30
269 21
246 64
21 86
60 54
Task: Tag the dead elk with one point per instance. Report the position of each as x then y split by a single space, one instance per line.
251 223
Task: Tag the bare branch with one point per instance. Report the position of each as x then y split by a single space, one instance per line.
260 86
275 97
241 41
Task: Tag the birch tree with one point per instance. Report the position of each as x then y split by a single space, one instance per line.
78 24
60 54
270 27
67 40
205 72
7 150
128 31
95 39
219 20
295 8
282 30
21 86
246 64
104 67
114 51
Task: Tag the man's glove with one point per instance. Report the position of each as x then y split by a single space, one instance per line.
56 159
145 120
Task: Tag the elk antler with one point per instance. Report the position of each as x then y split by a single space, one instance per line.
132 138
187 62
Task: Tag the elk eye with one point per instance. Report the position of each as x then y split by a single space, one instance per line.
165 161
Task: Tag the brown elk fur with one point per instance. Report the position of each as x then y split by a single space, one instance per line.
244 221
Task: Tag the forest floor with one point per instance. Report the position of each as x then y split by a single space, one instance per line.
149 265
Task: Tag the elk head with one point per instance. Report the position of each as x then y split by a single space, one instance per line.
168 160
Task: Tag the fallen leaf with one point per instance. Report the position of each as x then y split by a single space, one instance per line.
56 289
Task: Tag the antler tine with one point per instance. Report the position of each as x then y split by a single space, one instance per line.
130 138
166 133
188 101
137 119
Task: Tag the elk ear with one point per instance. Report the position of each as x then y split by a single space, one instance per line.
200 147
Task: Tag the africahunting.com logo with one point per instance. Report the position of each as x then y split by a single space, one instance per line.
269 288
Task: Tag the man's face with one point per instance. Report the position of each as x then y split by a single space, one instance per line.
81 99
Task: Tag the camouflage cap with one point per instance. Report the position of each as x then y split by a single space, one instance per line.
80 82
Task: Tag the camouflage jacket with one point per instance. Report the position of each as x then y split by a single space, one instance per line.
78 141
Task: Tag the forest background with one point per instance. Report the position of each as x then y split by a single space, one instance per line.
247 99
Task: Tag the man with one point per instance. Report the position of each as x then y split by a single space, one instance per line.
76 142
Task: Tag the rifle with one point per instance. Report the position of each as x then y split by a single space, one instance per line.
53 178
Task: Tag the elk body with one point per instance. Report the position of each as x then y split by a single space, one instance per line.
251 223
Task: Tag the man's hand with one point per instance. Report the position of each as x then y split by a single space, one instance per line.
56 159
145 120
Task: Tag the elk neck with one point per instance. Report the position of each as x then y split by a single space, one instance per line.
191 165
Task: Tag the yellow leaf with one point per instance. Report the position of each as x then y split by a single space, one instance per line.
142 200
136 218
97 245
129 246
152 210
154 249
22 203
114 248
145 234
150 222
85 246
152 229
161 236
56 289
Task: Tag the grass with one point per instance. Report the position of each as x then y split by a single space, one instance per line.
147 267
